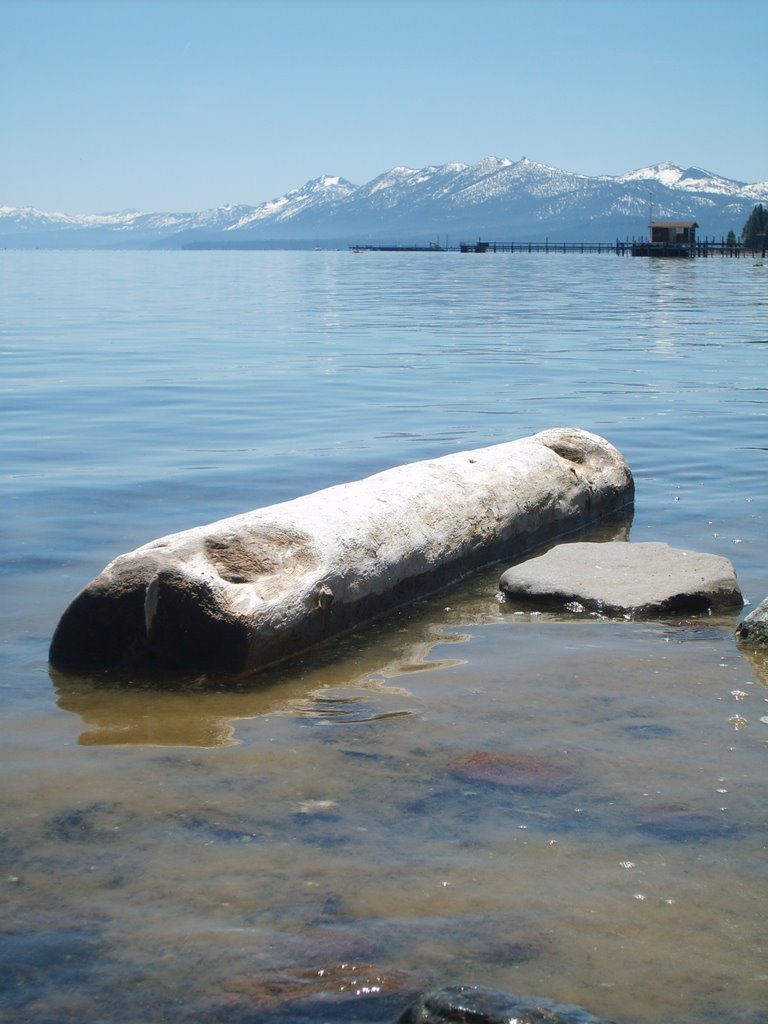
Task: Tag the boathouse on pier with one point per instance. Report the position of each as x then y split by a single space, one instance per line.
675 238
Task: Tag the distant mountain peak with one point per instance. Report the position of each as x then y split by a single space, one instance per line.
689 179
666 173
493 163
329 181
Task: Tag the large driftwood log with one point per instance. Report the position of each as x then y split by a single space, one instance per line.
250 590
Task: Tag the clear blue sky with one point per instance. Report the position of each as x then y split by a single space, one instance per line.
190 104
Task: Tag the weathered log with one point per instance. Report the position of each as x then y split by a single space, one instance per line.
243 592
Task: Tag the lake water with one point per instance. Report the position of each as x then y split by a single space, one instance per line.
317 843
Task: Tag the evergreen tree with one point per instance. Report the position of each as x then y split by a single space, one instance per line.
754 233
731 239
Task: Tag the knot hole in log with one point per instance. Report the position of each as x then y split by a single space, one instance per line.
269 551
570 450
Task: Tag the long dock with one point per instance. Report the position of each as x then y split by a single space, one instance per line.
619 248
636 247
639 247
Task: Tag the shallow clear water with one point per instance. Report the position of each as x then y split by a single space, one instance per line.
192 855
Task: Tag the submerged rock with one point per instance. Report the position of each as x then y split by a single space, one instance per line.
463 1003
248 591
616 578
524 772
682 824
754 627
338 991
332 981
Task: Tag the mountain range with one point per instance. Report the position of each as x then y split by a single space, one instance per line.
497 199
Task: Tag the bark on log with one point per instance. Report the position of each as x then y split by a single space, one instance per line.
250 590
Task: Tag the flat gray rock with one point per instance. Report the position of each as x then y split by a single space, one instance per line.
616 578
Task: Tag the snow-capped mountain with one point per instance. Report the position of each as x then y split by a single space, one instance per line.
692 179
497 199
124 228
317 194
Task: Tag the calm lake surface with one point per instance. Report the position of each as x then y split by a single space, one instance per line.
228 852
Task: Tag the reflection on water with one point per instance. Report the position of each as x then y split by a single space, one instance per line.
154 718
757 657
201 712
120 716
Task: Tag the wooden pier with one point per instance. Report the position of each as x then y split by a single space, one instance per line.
619 248
636 247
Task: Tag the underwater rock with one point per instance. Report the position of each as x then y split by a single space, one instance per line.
613 578
524 772
312 995
248 591
334 980
754 627
462 1003
683 824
